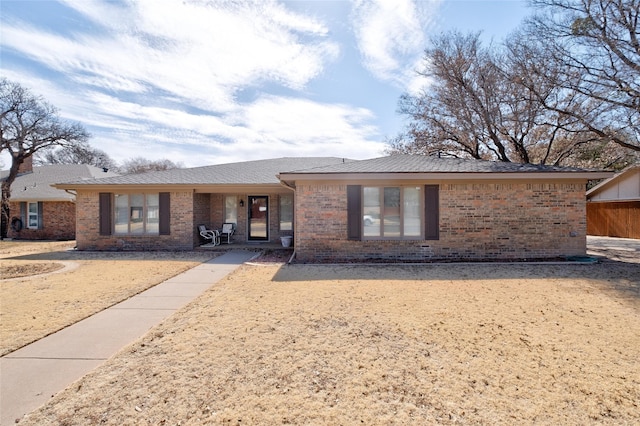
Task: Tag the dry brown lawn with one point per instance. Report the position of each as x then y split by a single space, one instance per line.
358 344
82 284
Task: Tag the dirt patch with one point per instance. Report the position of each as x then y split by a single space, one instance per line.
355 344
28 269
272 257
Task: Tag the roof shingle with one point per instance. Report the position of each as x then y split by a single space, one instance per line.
36 185
243 173
405 163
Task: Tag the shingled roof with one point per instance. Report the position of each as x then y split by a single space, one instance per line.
36 185
405 163
258 172
271 171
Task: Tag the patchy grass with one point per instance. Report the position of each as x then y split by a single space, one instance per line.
345 344
36 306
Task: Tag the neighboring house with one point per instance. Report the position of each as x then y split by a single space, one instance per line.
613 206
40 212
402 207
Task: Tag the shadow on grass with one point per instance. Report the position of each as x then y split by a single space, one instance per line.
168 256
619 278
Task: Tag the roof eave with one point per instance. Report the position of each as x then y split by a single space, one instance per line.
573 175
611 180
168 187
45 199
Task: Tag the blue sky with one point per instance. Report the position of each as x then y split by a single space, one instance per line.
205 82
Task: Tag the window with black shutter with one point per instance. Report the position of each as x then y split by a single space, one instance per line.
393 212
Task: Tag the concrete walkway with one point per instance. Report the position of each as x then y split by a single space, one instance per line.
33 374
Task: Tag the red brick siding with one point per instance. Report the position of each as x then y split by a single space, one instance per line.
477 222
216 210
200 214
182 227
187 211
58 222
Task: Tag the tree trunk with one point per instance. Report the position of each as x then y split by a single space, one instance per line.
6 193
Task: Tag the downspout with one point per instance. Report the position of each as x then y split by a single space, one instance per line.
293 189
72 192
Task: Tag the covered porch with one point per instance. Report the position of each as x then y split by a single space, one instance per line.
260 216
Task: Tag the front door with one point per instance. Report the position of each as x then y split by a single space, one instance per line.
258 218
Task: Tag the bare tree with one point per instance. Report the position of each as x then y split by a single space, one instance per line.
440 120
511 102
142 165
28 124
480 104
81 153
597 45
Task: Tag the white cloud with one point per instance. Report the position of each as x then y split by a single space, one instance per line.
206 51
162 79
390 35
269 127
199 52
294 120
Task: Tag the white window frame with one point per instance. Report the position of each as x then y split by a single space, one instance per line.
31 215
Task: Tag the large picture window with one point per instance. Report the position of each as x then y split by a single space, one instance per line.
392 212
136 214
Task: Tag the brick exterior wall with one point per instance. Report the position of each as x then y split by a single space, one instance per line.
188 210
478 221
58 222
181 224
201 215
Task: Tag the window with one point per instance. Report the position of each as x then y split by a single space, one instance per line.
231 209
32 215
136 214
153 213
286 212
393 212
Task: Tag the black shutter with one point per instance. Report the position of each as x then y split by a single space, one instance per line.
431 212
40 210
354 212
165 213
105 213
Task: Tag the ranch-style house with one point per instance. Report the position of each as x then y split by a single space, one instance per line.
395 208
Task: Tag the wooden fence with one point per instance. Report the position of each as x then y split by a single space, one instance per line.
614 219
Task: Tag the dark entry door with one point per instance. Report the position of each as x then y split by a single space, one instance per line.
258 218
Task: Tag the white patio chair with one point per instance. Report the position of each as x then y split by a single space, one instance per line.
227 230
212 235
